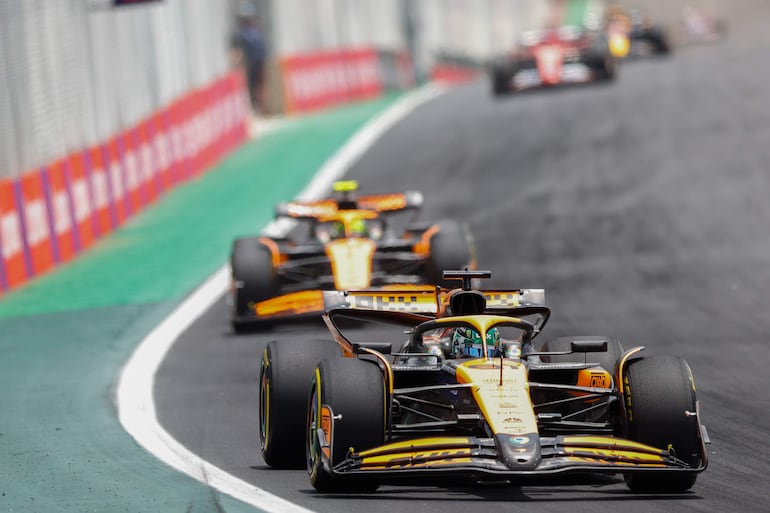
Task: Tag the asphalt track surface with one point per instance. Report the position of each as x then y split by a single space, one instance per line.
641 207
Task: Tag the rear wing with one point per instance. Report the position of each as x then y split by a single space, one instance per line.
409 200
429 300
418 300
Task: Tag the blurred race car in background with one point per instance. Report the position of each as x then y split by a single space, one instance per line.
631 33
343 242
699 25
553 57
457 389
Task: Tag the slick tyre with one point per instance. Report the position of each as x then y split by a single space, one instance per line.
285 374
499 80
354 390
607 360
605 66
659 393
254 277
659 41
450 249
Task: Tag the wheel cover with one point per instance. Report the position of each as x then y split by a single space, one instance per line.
313 450
264 406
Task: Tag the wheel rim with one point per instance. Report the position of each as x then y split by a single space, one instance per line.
312 441
264 406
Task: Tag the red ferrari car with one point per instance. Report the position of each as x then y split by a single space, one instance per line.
553 57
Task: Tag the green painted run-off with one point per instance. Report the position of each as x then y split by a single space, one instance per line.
65 336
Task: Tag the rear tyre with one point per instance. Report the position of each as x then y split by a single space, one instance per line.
254 276
284 379
659 41
499 81
355 392
450 249
660 405
601 60
605 66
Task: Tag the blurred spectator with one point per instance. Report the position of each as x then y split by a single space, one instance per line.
250 52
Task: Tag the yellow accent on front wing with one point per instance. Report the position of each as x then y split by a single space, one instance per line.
419 445
421 453
610 450
610 455
416 459
608 443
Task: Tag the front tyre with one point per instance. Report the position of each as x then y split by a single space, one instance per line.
659 393
352 392
284 378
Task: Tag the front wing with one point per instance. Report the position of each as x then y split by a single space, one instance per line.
479 457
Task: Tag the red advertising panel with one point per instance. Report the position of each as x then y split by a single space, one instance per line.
113 164
182 114
164 151
152 181
60 201
363 73
207 125
314 81
237 111
99 179
13 266
82 202
219 96
195 133
50 215
37 223
173 117
132 172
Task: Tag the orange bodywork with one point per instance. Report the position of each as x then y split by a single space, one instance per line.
295 303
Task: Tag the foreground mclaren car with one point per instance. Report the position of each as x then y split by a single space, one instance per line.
553 57
345 242
468 395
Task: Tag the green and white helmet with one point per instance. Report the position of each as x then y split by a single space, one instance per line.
467 342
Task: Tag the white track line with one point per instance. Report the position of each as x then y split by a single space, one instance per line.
135 402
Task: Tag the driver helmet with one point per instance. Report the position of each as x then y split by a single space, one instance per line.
358 228
467 342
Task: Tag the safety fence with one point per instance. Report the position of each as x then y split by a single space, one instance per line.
103 110
50 214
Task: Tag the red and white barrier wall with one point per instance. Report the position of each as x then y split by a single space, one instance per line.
49 215
313 81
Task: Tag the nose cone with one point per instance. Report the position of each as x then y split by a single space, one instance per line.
351 261
519 452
